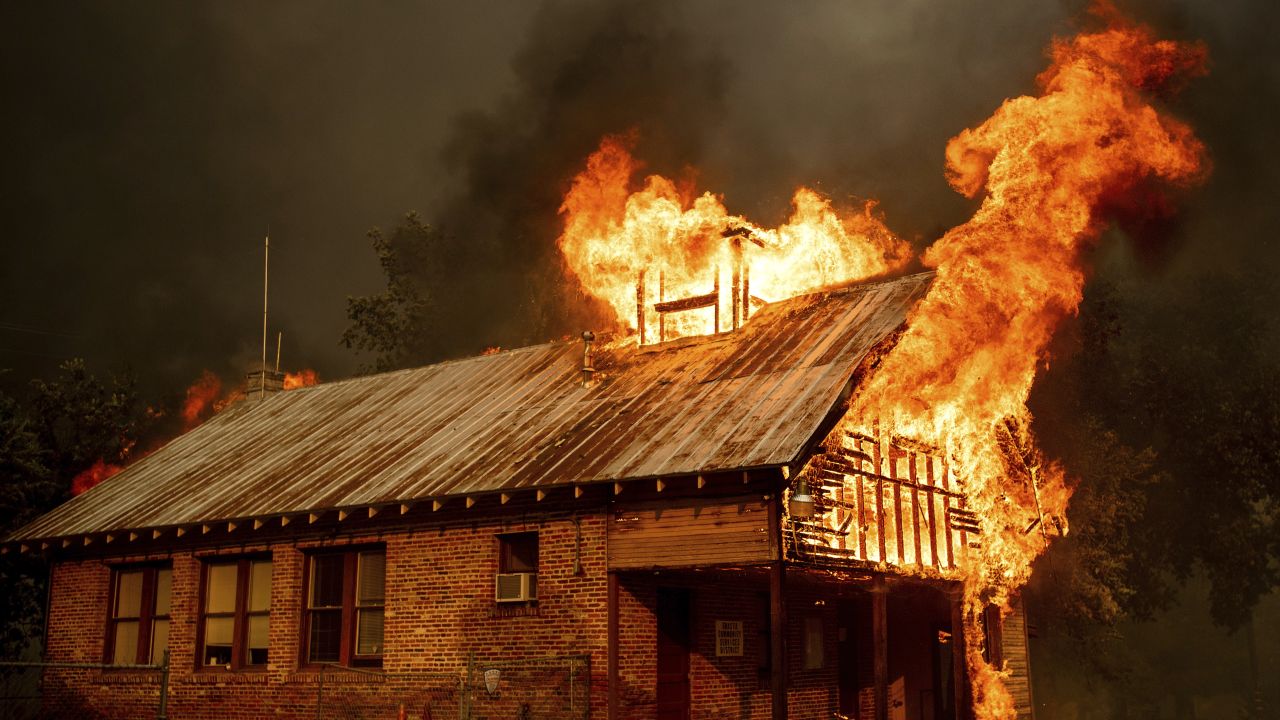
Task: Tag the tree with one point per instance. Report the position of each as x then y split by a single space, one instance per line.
68 424
397 325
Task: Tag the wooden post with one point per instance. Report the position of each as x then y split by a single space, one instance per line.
614 691
640 305
959 672
880 643
777 614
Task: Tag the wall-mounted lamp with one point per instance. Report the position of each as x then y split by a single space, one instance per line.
801 504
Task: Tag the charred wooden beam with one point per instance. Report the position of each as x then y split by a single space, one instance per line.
690 303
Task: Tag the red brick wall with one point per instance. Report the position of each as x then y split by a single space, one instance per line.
440 611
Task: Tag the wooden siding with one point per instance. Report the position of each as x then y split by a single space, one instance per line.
688 533
1017 659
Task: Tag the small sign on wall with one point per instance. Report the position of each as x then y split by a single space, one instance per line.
728 638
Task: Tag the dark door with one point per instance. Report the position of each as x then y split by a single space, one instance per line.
852 621
673 654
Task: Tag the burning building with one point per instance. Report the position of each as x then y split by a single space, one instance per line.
691 518
780 489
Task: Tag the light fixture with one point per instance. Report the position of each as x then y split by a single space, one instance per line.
801 504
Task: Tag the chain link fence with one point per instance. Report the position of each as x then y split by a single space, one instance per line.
521 689
30 690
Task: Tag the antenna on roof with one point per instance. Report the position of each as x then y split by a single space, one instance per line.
266 254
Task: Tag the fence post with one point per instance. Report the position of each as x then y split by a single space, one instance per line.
163 712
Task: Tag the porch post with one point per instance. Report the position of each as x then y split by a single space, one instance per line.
880 643
614 712
959 668
778 639
777 613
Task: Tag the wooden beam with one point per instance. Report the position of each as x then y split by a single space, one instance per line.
405 508
661 485
880 645
436 505
470 502
312 518
180 531
702 482
615 691
503 499
541 495
374 511
777 641
343 514
257 523
617 488
577 491
959 674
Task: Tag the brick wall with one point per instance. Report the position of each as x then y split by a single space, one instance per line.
440 612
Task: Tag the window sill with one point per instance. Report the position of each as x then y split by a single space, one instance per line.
222 676
128 676
310 675
520 609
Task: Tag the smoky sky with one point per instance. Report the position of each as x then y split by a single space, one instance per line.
150 146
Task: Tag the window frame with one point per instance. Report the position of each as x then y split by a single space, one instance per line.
350 612
241 613
146 617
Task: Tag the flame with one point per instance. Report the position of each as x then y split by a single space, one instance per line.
301 379
97 472
202 399
613 234
1048 167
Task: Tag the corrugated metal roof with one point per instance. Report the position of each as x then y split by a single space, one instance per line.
747 399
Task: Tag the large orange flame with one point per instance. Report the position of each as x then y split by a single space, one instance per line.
612 235
300 379
960 375
97 472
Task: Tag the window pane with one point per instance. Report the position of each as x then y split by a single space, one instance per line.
159 639
218 633
519 553
164 581
220 588
257 645
326 636
369 633
129 594
326 580
259 585
126 643
373 571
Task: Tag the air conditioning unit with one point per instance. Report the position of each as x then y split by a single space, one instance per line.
516 587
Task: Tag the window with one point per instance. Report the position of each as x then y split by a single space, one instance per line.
517 580
346 603
138 622
235 613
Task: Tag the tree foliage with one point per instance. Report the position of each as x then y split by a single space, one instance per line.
397 326
66 424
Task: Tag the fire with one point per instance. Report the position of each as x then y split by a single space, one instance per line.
97 472
300 379
658 243
1047 168
201 400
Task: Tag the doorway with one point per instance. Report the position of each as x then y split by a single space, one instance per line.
673 653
